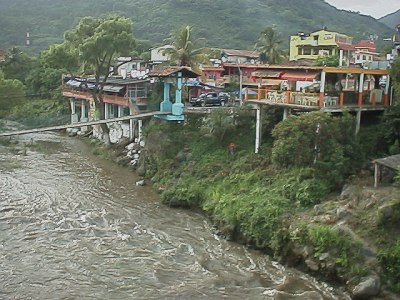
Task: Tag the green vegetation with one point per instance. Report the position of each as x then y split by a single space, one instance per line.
11 94
390 260
267 200
268 45
89 49
330 240
225 24
186 51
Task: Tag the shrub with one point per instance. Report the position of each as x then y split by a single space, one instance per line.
390 260
345 251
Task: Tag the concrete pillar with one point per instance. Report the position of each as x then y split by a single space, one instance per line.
285 113
131 129
358 121
166 105
106 111
386 91
360 90
258 129
74 115
140 129
120 111
83 111
178 92
178 106
322 89
376 172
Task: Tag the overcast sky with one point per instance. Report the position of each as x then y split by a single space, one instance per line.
375 8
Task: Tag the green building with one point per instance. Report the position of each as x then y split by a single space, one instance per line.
319 43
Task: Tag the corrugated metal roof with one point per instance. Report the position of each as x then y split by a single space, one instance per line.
392 162
170 71
242 53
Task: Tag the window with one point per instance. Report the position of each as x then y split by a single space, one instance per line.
307 51
112 111
136 91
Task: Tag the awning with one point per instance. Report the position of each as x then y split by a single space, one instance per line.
269 74
299 76
112 88
271 82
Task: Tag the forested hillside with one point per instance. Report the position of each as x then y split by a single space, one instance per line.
224 23
391 20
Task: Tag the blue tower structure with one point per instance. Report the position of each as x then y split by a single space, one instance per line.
173 76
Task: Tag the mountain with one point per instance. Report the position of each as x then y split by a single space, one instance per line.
224 23
391 20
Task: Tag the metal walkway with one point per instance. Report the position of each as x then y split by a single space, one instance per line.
60 127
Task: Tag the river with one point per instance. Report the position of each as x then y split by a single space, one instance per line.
75 226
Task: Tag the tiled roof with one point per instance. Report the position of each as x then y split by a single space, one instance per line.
242 53
366 44
347 47
209 68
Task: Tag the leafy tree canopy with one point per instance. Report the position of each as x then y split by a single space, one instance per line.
269 45
185 49
89 49
11 94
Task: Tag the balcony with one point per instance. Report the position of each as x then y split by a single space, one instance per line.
368 100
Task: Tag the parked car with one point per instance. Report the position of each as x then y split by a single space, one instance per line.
211 98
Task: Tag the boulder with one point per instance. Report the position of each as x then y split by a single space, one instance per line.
311 264
130 146
141 183
367 288
318 209
342 213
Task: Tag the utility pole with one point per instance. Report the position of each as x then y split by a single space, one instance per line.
240 84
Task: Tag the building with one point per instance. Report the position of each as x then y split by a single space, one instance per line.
319 43
131 67
121 97
158 55
365 52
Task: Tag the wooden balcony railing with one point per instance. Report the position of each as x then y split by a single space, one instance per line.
372 98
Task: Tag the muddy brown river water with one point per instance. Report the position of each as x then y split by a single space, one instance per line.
74 226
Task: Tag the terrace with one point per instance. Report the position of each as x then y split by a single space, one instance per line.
337 89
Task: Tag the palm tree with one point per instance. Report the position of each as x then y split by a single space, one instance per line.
184 51
268 44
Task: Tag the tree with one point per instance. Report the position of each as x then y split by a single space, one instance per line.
89 49
185 50
11 93
268 44
16 64
329 61
320 141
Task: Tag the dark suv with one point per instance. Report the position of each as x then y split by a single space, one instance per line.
211 98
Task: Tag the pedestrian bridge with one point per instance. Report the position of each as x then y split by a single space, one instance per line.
81 124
